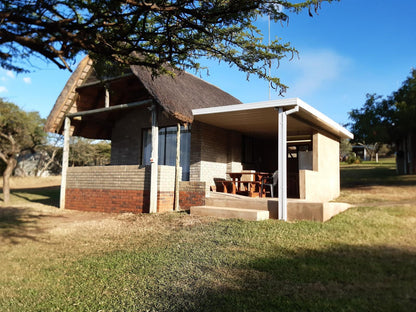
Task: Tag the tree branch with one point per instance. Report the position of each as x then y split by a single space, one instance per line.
151 6
159 31
3 157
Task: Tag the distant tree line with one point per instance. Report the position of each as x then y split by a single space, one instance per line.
86 152
47 158
385 120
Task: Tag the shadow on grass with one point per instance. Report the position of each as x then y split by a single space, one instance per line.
18 223
342 278
354 176
43 195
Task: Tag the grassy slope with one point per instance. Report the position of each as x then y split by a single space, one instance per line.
372 173
361 260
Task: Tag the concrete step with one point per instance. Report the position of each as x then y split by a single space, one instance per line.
243 203
225 212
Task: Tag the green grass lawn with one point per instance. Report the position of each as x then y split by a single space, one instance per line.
361 260
372 173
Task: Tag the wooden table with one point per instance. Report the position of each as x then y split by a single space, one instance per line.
249 187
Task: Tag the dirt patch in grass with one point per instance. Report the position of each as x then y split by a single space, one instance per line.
33 182
82 231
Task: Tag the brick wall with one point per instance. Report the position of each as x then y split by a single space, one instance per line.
126 189
126 139
105 200
195 157
214 151
191 194
109 177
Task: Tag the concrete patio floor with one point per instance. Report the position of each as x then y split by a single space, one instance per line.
237 206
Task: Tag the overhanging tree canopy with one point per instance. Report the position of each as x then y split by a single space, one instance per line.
150 33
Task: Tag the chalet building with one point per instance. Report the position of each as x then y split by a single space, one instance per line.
182 143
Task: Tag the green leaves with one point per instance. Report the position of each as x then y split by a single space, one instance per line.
405 106
18 129
372 122
384 120
149 33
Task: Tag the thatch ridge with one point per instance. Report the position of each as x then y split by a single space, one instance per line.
66 98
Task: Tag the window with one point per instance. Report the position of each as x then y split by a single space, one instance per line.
167 148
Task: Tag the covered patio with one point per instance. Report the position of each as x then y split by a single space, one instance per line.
289 136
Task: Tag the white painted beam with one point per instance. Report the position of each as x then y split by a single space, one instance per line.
177 166
282 164
107 97
111 108
65 160
154 161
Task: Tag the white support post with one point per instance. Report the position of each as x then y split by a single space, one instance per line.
154 162
177 166
282 165
282 160
107 97
65 158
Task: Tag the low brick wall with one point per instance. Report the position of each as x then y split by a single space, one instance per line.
126 189
191 194
105 200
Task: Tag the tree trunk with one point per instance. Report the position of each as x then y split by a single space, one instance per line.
11 164
39 172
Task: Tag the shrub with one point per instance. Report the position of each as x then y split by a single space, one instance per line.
353 159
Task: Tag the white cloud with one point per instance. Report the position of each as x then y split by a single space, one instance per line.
3 89
317 69
10 74
27 80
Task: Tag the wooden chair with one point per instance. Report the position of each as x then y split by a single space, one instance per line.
224 186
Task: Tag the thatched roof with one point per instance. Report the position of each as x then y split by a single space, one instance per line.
177 94
65 102
183 92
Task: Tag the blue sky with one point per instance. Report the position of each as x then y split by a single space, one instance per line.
351 48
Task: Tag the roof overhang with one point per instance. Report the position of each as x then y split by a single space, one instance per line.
260 119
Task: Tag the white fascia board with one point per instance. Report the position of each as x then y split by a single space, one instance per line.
244 107
317 115
324 119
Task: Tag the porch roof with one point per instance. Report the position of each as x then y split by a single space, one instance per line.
260 119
